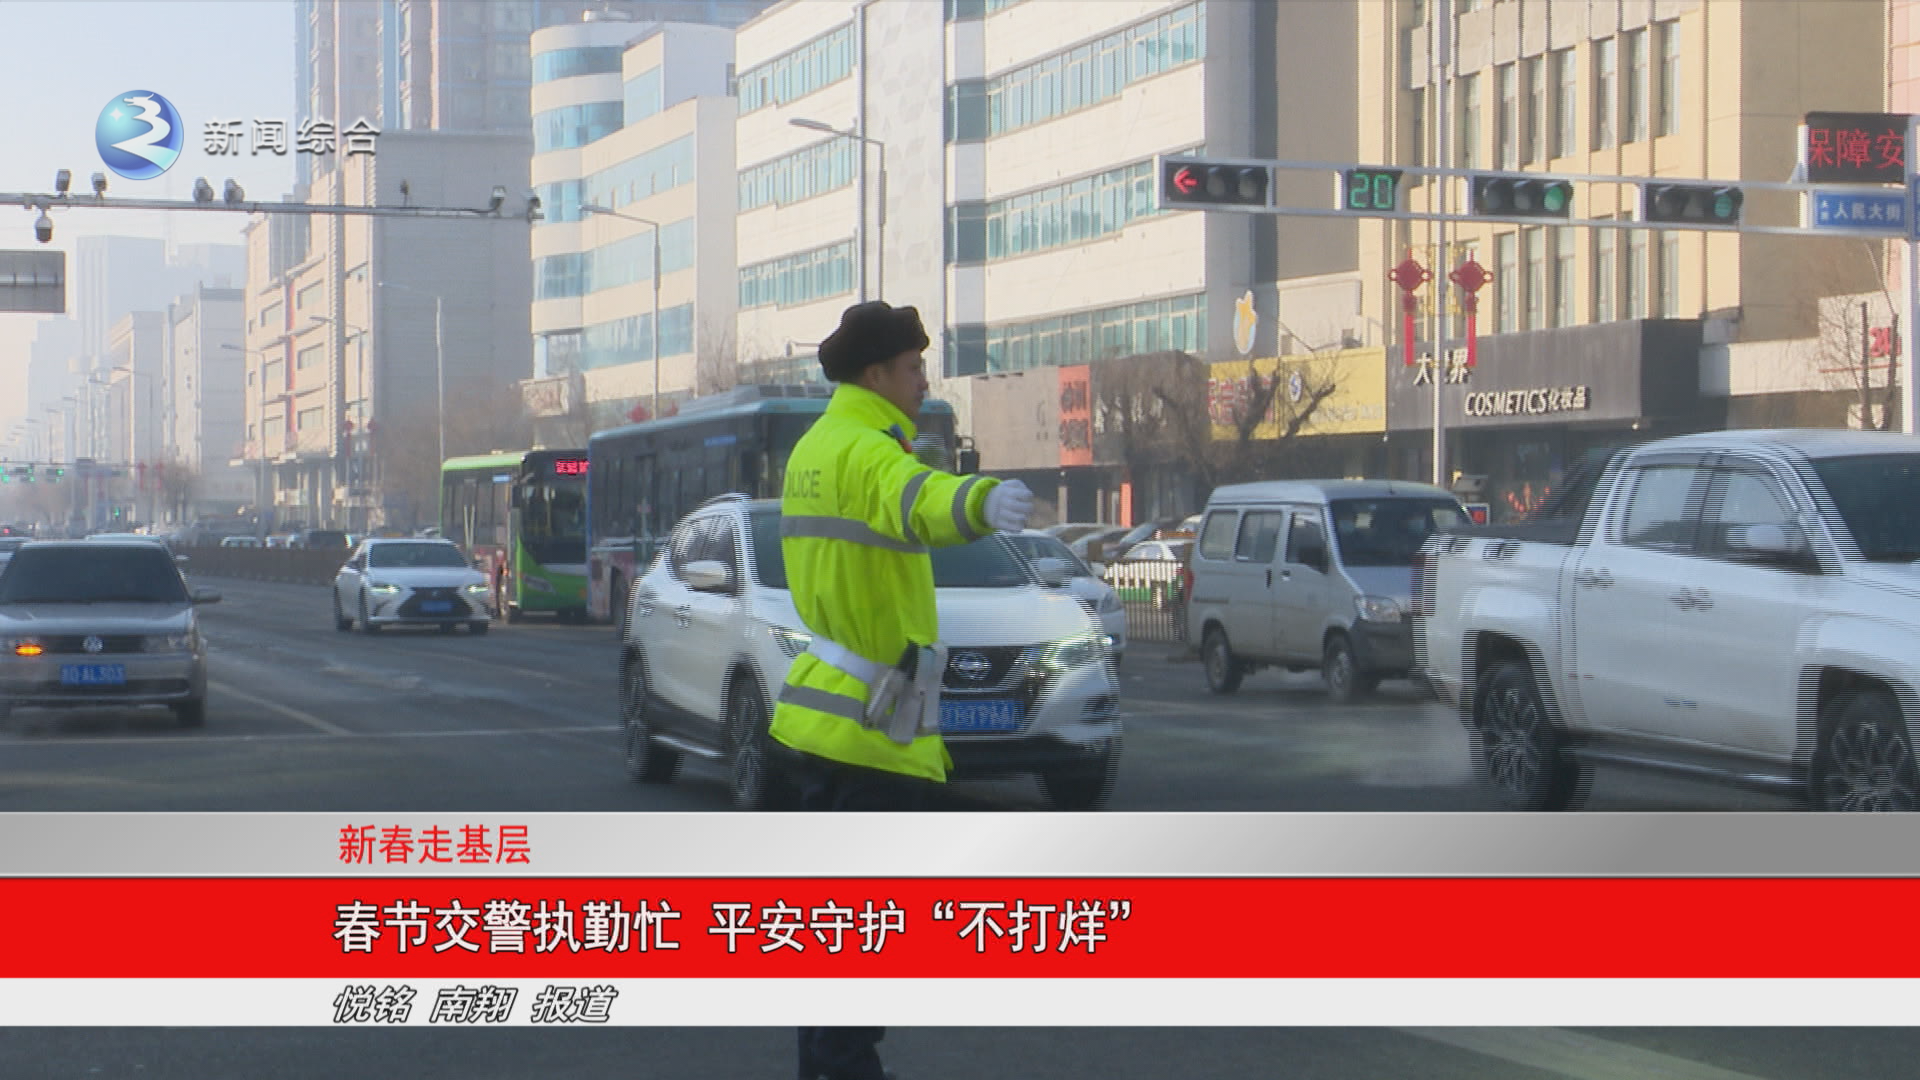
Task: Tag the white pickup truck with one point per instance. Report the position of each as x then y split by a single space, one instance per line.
1742 606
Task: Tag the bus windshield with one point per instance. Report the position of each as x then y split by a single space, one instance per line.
553 521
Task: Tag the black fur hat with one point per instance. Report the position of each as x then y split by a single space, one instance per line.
869 334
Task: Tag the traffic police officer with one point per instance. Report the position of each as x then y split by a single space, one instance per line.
860 708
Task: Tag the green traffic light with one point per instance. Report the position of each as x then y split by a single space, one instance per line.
1555 198
1725 206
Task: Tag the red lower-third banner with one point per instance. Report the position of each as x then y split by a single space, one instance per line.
1156 928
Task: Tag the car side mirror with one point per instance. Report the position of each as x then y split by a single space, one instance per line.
205 596
1771 543
708 575
1054 573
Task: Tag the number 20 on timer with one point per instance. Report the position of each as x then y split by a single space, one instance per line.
1372 189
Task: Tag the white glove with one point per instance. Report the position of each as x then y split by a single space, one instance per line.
1009 505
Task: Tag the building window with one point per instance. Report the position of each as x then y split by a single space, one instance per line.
1564 240
794 74
1668 120
1636 113
1468 141
1536 244
811 170
310 357
557 276
967 110
273 314
311 296
1506 281
560 202
274 372
1074 212
800 278
1606 93
630 340
1172 323
1533 123
1086 76
643 176
1507 134
310 419
1606 273
572 126
643 95
1637 255
1670 274
1566 130
567 63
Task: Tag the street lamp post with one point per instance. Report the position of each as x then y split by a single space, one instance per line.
653 228
359 338
880 218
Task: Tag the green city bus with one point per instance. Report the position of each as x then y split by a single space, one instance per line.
522 518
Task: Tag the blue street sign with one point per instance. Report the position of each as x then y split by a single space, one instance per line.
1874 211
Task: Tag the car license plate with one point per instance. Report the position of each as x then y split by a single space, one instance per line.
963 717
93 675
436 607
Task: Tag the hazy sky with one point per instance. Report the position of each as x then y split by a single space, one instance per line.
65 59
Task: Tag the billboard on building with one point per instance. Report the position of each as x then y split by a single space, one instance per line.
1351 385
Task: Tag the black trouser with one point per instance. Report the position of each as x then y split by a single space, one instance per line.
848 1053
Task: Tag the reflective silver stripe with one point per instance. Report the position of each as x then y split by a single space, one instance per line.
822 527
826 701
960 521
907 495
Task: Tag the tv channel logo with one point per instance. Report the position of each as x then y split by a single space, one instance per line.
139 134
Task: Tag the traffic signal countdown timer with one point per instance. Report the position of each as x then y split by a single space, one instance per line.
1704 203
1511 196
1188 182
1370 189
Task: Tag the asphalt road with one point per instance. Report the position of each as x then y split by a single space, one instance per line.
524 719
974 1054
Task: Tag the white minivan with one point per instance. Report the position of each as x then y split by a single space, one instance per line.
1310 574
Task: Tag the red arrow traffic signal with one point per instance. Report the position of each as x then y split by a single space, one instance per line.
1187 182
1184 181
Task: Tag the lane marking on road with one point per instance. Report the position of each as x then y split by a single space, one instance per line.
174 739
1574 1055
287 711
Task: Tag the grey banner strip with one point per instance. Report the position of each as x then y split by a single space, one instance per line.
971 845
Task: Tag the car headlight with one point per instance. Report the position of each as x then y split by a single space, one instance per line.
478 588
25 646
168 642
1377 608
383 588
1077 651
1110 603
791 642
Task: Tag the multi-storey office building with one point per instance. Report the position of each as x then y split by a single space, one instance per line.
1598 333
206 405
633 147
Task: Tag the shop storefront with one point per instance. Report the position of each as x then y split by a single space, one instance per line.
1535 402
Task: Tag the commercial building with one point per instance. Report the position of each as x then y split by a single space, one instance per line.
633 119
1590 335
206 393
134 407
391 335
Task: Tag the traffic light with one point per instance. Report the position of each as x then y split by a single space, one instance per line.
1703 203
1370 189
1186 182
1508 196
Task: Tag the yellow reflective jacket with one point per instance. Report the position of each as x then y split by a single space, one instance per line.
858 516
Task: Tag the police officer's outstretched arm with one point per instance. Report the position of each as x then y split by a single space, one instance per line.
917 504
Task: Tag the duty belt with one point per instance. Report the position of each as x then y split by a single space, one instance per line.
902 704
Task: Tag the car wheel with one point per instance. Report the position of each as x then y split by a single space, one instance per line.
513 613
1082 787
477 626
1864 759
1223 668
1340 670
1516 748
340 620
191 713
366 622
647 761
752 779
621 609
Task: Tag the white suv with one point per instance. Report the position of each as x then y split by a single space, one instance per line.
1029 686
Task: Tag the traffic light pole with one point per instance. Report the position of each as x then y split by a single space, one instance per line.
1438 64
1910 371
